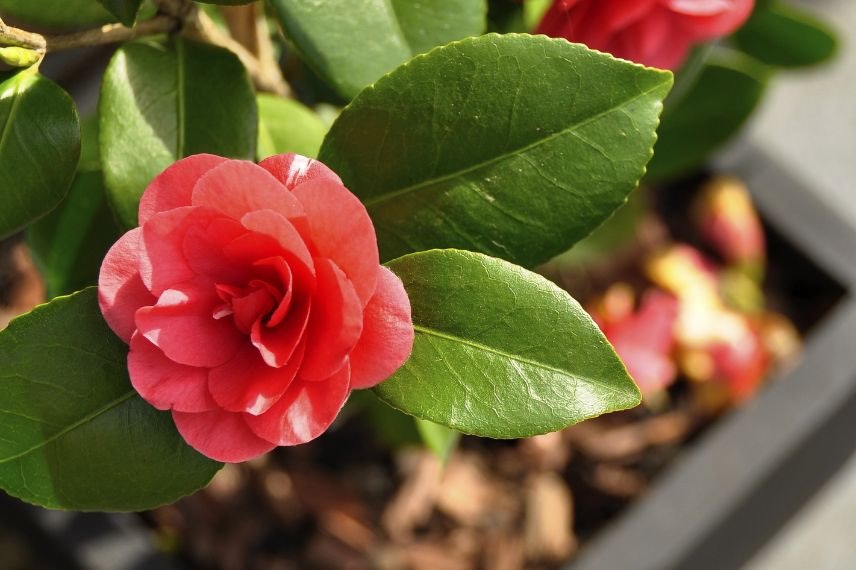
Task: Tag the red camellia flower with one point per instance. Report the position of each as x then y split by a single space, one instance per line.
253 302
658 33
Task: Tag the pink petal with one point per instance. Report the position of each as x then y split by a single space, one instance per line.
183 326
292 247
220 435
335 323
304 412
162 260
649 40
202 250
604 19
237 187
342 231
387 337
173 187
294 169
247 384
709 19
166 384
276 344
121 291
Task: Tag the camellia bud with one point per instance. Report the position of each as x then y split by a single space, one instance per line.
730 224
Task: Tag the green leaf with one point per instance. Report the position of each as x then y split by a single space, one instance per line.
164 101
287 126
533 12
70 243
787 37
19 56
124 10
352 44
516 146
441 440
39 147
500 351
709 114
53 13
75 434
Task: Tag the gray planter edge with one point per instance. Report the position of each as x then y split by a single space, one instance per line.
731 491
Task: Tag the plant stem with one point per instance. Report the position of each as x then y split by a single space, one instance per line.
10 36
203 28
111 33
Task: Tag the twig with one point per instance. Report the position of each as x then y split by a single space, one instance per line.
248 26
10 36
202 27
111 33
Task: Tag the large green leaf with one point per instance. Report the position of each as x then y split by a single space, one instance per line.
62 13
164 101
710 113
352 43
75 434
124 10
39 147
500 351
287 126
787 37
516 146
70 242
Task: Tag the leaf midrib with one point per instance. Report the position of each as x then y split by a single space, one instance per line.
369 202
515 357
92 415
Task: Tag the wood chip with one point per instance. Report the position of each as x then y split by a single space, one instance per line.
548 531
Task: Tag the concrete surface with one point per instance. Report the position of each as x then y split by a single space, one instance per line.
809 120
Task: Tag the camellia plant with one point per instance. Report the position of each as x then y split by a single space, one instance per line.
226 266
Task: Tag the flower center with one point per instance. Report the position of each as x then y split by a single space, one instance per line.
259 300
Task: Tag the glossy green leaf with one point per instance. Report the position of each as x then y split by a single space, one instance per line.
70 243
124 10
227 2
787 37
56 13
287 126
352 44
164 101
75 434
500 351
516 146
39 147
709 114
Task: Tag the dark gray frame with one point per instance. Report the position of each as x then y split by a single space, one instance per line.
736 487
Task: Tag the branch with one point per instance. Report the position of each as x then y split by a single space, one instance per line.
111 33
10 36
202 27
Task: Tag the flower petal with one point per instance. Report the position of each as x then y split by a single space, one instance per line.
166 384
294 169
173 187
387 338
294 250
335 323
121 290
237 187
277 344
183 326
709 19
162 260
304 412
220 435
247 384
342 231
